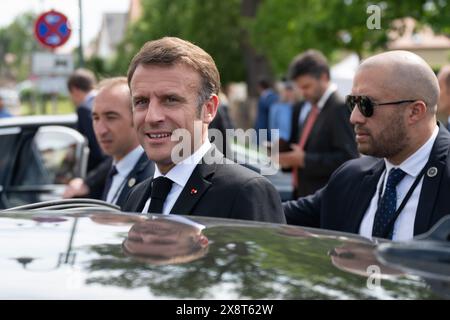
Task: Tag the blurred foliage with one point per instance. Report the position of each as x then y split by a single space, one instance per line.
35 104
279 30
283 28
16 45
213 25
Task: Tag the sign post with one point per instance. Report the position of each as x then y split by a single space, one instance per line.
52 30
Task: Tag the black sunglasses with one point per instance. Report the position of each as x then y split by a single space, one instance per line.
366 105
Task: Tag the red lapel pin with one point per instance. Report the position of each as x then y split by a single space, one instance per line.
194 191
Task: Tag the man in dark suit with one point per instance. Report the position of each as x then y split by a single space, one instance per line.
401 188
444 98
113 125
81 89
267 98
323 137
174 86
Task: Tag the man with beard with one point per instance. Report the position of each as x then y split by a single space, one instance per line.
400 188
322 137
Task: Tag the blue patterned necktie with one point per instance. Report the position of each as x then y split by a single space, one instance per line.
388 204
108 182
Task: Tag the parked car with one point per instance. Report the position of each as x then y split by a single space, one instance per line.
40 154
82 250
10 98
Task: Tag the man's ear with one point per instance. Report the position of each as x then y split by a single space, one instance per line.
209 109
417 111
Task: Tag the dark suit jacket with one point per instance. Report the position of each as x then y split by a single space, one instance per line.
223 190
341 205
262 116
84 126
96 180
222 122
330 143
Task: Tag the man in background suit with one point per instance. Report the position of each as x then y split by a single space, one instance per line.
325 139
401 188
174 86
114 129
444 98
81 85
268 96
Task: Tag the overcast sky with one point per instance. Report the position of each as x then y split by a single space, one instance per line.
92 14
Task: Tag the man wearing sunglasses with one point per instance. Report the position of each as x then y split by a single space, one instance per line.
401 187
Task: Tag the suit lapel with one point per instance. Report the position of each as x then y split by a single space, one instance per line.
196 186
430 187
140 203
319 123
427 199
363 195
132 178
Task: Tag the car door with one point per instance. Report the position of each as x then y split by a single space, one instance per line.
39 162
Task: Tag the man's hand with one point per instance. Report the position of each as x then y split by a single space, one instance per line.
76 188
294 158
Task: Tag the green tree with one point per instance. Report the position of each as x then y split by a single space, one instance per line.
213 25
283 28
242 35
17 43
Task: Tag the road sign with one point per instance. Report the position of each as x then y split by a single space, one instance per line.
51 64
52 29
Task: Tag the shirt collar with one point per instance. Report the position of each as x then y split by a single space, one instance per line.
414 164
91 95
330 90
127 163
266 92
182 171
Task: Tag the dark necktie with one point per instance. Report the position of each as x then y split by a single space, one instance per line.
387 205
112 172
160 189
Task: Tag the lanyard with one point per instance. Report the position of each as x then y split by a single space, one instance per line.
391 223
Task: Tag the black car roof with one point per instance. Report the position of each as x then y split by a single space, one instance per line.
84 255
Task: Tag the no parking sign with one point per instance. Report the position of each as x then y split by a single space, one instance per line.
52 29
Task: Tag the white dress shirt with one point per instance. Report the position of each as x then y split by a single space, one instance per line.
326 95
124 167
404 225
180 175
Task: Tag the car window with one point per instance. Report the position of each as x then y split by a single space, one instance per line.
51 157
8 143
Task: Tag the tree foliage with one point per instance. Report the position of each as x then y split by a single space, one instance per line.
213 25
283 28
16 46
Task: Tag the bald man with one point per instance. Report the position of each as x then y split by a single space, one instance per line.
444 98
401 187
